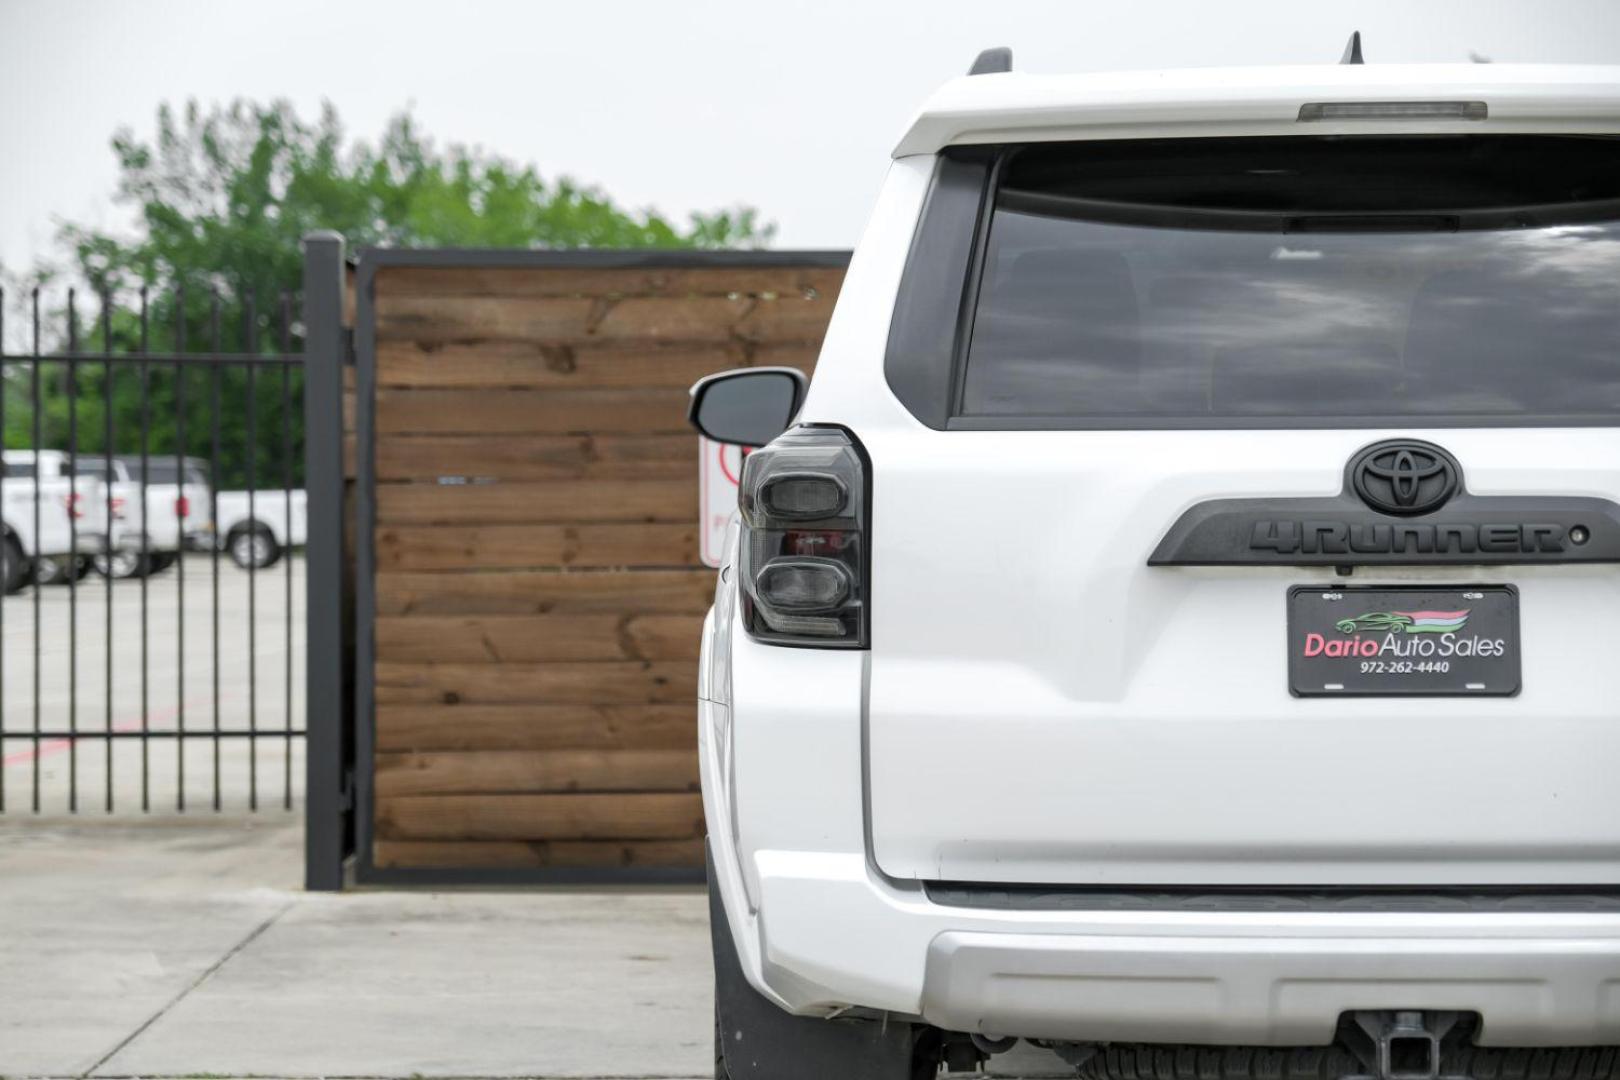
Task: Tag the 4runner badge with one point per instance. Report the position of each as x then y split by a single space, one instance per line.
1404 502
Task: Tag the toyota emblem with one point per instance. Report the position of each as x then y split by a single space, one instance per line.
1405 477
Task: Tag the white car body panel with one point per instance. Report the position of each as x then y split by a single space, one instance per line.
1200 103
1145 711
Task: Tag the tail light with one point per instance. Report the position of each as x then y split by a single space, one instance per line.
74 504
182 507
802 560
117 508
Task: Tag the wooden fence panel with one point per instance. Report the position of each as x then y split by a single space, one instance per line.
538 593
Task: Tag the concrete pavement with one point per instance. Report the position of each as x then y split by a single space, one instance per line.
185 948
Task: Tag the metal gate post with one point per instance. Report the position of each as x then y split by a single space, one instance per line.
328 796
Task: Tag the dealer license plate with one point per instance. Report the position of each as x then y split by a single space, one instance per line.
1459 640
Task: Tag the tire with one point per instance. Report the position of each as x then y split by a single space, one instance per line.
1145 1062
13 567
60 569
121 565
1169 1062
253 546
1543 1063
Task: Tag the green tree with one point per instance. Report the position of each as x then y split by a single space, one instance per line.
222 198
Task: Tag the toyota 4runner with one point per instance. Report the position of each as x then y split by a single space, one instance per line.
1179 627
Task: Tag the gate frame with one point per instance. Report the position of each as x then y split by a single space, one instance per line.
329 804
370 261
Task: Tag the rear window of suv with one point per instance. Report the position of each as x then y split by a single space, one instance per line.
1320 281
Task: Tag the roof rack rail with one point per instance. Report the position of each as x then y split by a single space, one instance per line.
995 61
1352 49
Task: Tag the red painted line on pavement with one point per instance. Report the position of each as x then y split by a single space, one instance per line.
48 747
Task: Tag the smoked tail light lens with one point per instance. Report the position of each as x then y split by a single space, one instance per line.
802 557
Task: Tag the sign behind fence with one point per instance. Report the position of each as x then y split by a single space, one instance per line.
719 469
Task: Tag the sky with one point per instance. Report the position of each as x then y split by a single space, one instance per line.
791 107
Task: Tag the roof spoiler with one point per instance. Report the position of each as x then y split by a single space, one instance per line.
997 61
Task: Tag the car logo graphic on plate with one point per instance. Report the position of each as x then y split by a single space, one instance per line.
1407 622
1405 477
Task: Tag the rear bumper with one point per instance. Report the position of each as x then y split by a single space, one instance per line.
1273 990
831 933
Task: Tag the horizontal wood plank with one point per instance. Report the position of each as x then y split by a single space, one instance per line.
656 816
535 771
658 410
498 639
496 547
690 320
673 499
616 281
538 365
535 727
545 591
538 457
570 683
536 854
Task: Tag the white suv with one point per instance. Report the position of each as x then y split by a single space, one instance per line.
1180 627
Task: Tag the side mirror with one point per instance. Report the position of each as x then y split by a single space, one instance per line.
748 406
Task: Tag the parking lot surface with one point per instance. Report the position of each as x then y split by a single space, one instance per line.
194 679
134 948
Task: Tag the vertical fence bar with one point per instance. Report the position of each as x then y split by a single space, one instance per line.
286 557
325 832
146 554
250 346
7 556
180 577
71 565
34 393
110 554
213 556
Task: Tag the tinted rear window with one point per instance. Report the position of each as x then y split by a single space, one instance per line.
1333 280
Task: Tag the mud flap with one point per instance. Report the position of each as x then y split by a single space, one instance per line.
761 1042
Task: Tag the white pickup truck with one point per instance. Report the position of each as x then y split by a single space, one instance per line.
256 528
51 523
157 518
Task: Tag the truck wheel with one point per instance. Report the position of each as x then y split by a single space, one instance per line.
253 546
60 569
122 564
755 1040
13 567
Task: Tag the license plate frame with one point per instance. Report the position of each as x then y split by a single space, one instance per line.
1407 641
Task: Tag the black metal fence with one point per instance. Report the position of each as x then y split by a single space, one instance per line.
154 519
